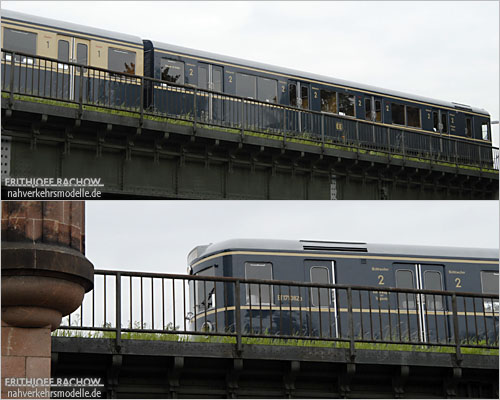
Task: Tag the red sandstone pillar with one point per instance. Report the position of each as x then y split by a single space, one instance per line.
44 277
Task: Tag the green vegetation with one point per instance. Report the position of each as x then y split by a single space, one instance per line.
305 138
172 337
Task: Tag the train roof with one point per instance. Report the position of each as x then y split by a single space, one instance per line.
200 252
77 28
316 77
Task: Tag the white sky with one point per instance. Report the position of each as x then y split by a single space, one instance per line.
445 50
156 236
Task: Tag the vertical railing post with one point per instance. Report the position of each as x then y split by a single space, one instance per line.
323 128
455 327
351 324
12 64
141 100
242 117
80 94
238 315
195 95
118 307
403 143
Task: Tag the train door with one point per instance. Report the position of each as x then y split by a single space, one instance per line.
422 317
70 49
321 303
299 97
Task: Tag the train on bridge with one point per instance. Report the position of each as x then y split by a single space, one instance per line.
313 288
232 92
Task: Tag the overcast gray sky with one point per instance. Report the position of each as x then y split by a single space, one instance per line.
445 50
158 235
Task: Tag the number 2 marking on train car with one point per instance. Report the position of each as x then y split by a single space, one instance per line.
230 78
458 282
190 71
381 279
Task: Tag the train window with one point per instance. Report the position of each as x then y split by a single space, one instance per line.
468 127
246 85
444 122
484 131
413 116
293 94
205 291
435 116
217 79
172 71
203 77
319 296
304 95
63 50
489 285
267 90
24 42
81 53
368 109
398 114
432 281
378 110
328 101
258 271
404 280
346 104
121 60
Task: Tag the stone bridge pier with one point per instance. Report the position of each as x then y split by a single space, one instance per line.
45 275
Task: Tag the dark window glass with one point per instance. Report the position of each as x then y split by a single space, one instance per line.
346 104
304 95
444 122
489 282
378 110
432 281
404 280
246 85
413 116
468 127
368 109
489 285
319 296
121 60
484 131
398 114
205 291
293 94
63 51
81 54
24 42
328 101
258 271
435 121
203 77
172 71
217 78
267 90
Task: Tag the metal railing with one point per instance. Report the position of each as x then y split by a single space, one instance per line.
125 302
82 85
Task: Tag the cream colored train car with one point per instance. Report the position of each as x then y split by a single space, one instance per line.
69 42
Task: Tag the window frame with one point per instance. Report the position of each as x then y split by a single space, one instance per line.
248 291
392 114
439 298
414 298
181 75
314 291
118 50
20 59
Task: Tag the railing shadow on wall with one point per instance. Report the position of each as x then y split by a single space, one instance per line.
46 78
128 305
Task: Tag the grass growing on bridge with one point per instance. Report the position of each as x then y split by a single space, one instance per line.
304 138
173 337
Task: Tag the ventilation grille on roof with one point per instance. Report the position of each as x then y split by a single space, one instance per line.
334 246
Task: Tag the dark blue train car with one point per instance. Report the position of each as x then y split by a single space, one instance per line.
260 86
379 313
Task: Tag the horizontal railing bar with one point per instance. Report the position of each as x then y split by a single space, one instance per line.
291 283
